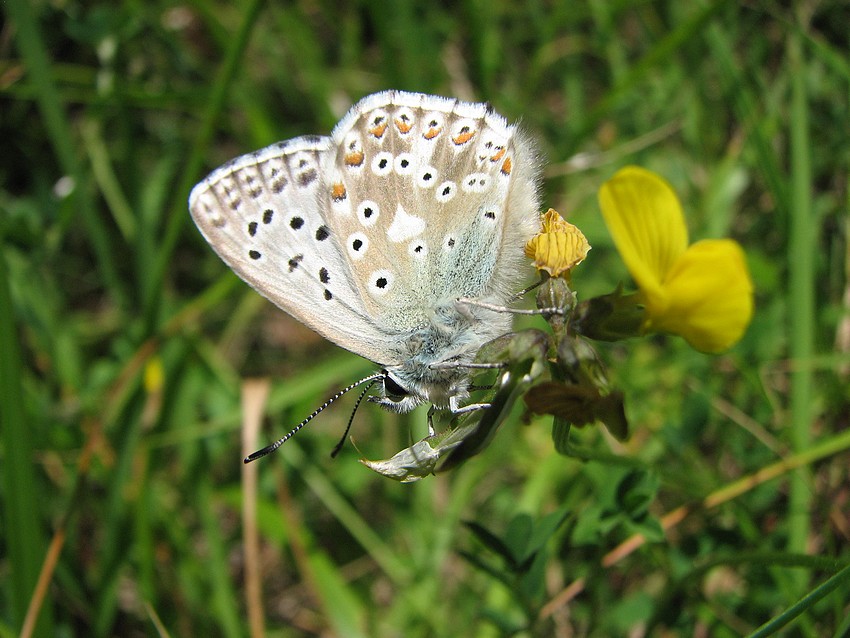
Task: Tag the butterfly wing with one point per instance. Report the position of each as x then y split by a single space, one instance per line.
263 213
432 199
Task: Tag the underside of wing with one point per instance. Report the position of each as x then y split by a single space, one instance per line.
262 213
432 199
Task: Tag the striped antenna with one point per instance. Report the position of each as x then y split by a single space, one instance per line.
351 418
271 448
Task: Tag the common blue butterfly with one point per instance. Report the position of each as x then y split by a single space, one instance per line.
372 236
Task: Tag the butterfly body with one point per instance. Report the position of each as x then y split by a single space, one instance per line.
371 236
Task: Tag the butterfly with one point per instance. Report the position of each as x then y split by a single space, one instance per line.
375 236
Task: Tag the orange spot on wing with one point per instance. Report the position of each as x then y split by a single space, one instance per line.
403 126
506 167
463 137
354 158
499 155
378 130
338 192
431 133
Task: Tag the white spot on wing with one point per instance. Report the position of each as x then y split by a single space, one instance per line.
417 249
476 182
427 177
380 282
382 164
404 163
404 226
368 212
446 191
358 244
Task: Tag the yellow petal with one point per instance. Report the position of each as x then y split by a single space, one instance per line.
709 296
559 247
645 220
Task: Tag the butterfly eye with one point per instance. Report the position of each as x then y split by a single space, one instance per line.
393 390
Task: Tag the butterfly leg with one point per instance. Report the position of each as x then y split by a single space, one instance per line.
456 409
472 407
515 311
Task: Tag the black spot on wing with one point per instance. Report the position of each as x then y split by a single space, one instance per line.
294 262
307 177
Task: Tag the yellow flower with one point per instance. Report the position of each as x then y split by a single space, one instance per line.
701 292
559 247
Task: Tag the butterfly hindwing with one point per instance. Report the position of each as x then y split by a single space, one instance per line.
432 199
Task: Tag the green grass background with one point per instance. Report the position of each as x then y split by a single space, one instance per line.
124 341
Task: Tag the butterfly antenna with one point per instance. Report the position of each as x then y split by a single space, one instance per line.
519 295
372 378
351 418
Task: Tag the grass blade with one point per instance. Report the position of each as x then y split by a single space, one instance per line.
841 579
24 541
801 297
59 130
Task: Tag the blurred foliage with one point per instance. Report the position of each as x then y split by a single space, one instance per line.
124 340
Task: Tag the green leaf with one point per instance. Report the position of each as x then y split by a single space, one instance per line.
579 406
420 459
544 529
517 536
492 542
478 562
533 581
636 492
561 436
611 317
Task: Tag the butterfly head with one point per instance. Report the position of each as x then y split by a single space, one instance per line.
394 395
402 390
433 360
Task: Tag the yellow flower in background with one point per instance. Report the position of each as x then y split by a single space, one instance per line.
559 247
702 292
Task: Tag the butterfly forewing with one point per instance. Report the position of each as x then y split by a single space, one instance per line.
264 214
